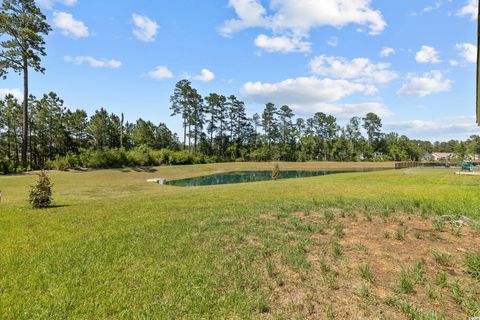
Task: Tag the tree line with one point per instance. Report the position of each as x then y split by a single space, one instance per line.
215 128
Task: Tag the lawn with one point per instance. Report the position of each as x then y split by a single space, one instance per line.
357 245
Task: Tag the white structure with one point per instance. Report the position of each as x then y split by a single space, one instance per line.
439 156
158 180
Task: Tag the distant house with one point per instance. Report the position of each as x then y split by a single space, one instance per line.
439 156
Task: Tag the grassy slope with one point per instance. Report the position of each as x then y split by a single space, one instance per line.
117 247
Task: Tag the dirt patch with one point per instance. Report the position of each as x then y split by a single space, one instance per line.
376 267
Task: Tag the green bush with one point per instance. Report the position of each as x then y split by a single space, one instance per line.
181 158
41 193
140 156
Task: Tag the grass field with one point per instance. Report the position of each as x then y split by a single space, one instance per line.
356 245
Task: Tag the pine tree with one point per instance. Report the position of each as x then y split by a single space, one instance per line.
24 25
41 193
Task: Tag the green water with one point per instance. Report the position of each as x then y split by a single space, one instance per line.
253 176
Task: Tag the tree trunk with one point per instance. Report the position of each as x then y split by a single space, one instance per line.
25 113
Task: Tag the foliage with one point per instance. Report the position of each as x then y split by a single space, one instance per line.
41 193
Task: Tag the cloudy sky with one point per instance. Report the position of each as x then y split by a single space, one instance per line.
410 61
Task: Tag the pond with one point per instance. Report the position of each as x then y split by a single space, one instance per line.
254 176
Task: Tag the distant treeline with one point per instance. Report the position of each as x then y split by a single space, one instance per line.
215 128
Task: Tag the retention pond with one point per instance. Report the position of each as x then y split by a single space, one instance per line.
255 176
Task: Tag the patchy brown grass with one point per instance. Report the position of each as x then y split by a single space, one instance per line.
364 280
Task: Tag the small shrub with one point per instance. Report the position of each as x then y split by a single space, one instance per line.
276 172
41 193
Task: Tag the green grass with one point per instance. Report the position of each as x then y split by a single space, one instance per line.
442 258
115 246
472 263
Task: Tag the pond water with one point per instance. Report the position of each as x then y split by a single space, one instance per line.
253 176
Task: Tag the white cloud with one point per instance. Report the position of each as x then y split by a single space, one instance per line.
301 90
94 63
50 3
205 76
453 63
144 29
361 69
344 111
332 42
250 14
387 51
470 9
468 52
300 16
427 55
307 95
292 20
160 73
69 26
425 85
281 44
458 126
17 93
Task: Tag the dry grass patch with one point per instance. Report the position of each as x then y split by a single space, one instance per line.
355 271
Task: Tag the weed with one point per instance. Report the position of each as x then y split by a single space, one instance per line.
424 214
417 234
401 234
457 292
280 280
442 280
365 273
418 271
435 237
368 216
438 224
330 313
406 283
336 248
386 234
431 293
339 233
442 258
270 269
361 247
329 216
410 311
363 292
472 264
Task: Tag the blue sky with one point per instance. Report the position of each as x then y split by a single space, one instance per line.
410 61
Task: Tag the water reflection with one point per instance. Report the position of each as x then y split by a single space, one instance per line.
253 176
